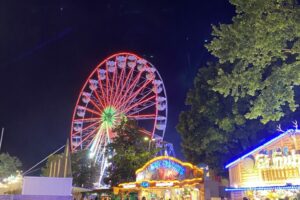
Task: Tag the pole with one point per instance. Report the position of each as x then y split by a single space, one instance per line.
43 160
2 133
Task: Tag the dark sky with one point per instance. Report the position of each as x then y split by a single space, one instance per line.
48 48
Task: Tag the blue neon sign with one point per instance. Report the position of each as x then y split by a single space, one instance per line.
169 164
145 184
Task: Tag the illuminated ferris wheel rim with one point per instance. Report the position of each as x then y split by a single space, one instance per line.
122 85
95 71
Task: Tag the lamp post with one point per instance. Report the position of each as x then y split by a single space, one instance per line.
146 139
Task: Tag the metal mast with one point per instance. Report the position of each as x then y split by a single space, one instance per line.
2 132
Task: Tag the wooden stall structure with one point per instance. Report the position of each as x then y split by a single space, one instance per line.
270 171
166 177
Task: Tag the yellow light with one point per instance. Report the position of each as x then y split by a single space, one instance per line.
184 182
186 164
130 185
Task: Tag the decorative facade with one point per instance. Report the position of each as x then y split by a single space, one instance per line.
272 170
168 178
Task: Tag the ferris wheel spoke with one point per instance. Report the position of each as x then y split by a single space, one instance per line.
99 99
129 76
138 110
87 127
87 134
107 82
118 84
134 105
134 95
127 93
125 99
103 161
86 137
102 90
91 119
126 88
97 105
115 83
98 145
96 142
90 142
145 131
102 146
142 117
143 95
92 111
121 79
112 83
131 86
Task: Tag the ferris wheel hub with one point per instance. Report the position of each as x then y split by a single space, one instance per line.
109 116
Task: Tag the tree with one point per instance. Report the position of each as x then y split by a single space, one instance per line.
128 151
262 45
9 165
84 169
214 129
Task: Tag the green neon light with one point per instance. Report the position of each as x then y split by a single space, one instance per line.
108 117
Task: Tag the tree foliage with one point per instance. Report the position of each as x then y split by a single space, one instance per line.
262 45
9 165
235 102
214 129
128 152
84 170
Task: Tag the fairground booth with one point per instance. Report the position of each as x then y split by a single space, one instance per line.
167 178
270 171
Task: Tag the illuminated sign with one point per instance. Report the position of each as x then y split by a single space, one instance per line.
166 168
167 164
164 184
277 159
145 184
278 164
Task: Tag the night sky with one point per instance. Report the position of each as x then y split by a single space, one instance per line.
48 48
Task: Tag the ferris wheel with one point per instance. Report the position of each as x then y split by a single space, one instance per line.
123 85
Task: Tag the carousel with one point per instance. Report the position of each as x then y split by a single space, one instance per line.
165 177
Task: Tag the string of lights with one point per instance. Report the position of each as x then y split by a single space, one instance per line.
283 187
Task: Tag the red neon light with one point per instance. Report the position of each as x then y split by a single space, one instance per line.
89 126
138 103
87 119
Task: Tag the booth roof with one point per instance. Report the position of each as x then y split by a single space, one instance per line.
261 146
